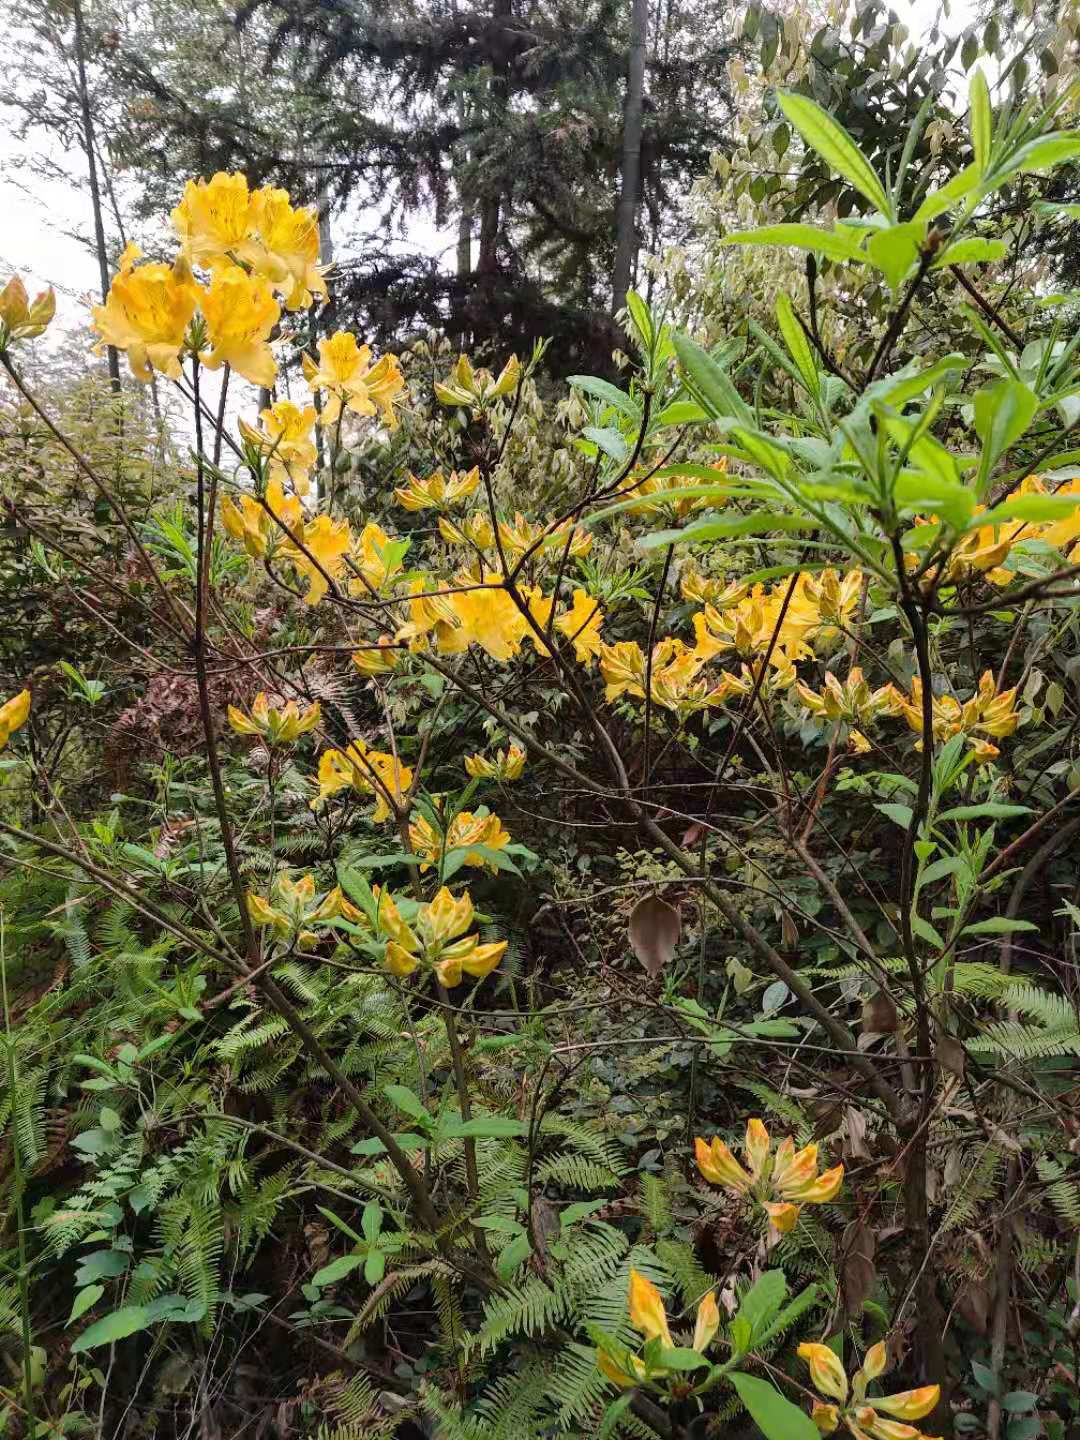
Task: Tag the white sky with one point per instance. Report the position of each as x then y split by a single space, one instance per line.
38 235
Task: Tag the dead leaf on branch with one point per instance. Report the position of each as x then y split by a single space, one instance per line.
654 929
859 1248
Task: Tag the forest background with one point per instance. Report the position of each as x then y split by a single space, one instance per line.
538 890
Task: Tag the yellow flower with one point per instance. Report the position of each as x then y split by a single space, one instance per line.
367 772
781 1183
625 1379
240 312
622 667
835 598
852 701
276 727
344 371
435 493
326 542
676 507
437 939
827 1372
861 1416
476 389
647 1315
14 714
825 1417
285 437
519 535
507 765
475 529
711 590
987 712
146 314
214 218
707 1324
253 524
378 558
286 250
380 659
748 625
426 614
486 616
581 625
293 906
647 1310
464 831
21 318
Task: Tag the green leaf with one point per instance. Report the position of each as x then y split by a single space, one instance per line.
408 1101
899 814
1044 153
999 925
922 494
957 189
1002 413
925 931
762 1301
833 244
337 1270
609 1424
1031 507
895 250
799 347
374 1267
610 394
515 1254
609 440
681 412
775 1416
971 252
84 1300
117 1326
981 119
701 530
680 1358
835 146
482 1127
711 385
988 810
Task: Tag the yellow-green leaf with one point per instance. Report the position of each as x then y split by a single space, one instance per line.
798 345
981 120
835 146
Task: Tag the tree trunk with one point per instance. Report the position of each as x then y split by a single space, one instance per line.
95 188
487 262
630 187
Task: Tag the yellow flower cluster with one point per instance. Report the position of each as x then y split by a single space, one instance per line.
860 1415
507 765
221 222
437 492
437 939
316 548
367 772
649 1318
476 389
293 907
986 552
985 713
346 377
781 1182
285 438
257 251
14 714
464 831
274 726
